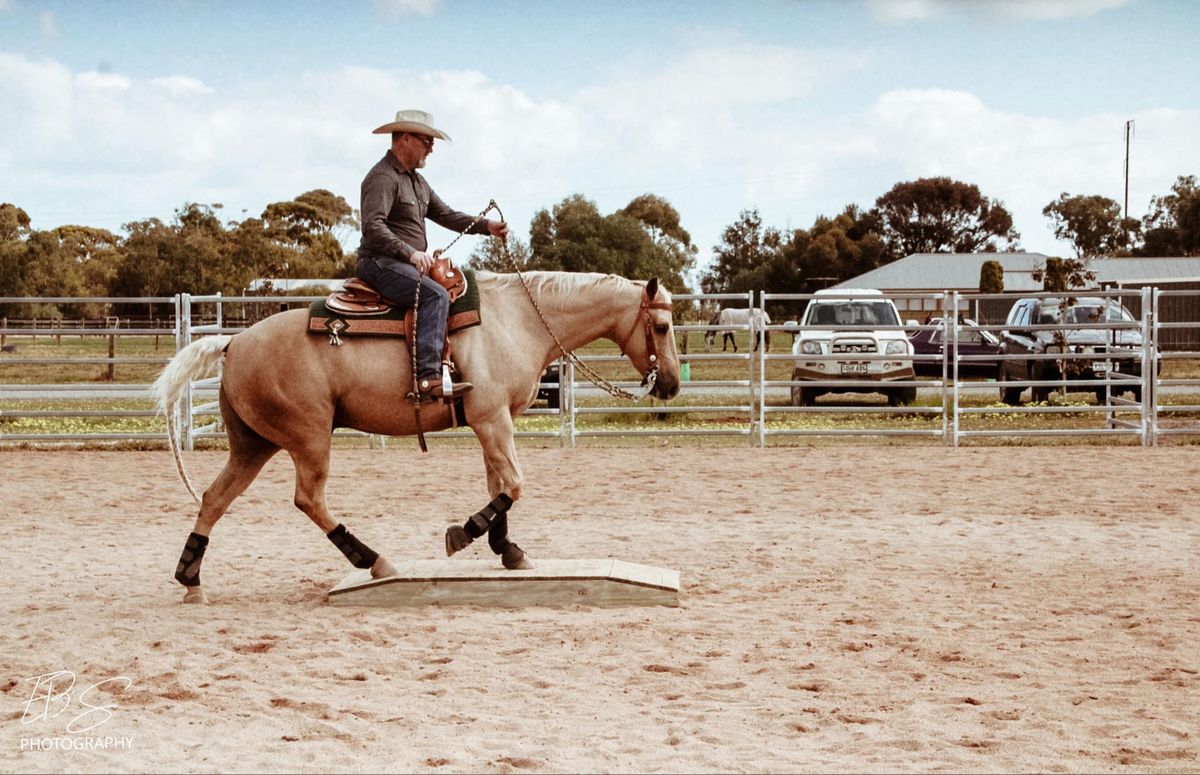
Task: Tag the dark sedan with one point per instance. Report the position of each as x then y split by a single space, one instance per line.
549 388
972 341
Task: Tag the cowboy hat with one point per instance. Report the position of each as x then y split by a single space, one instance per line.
416 121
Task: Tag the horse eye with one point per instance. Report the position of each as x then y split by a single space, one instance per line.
661 328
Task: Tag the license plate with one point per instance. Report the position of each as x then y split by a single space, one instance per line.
855 368
1100 366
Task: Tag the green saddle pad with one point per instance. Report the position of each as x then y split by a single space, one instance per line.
464 313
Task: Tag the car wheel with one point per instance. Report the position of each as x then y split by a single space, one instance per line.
1102 395
803 396
1009 395
1038 394
901 396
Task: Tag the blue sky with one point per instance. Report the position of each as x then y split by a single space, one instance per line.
118 111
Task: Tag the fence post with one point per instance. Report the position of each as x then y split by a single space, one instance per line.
1150 367
955 395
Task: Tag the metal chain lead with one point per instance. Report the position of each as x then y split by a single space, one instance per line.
587 371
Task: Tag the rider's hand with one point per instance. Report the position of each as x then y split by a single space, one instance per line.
498 229
422 261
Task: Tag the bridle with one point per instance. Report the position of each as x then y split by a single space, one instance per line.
643 316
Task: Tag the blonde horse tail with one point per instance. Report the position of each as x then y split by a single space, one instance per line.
196 360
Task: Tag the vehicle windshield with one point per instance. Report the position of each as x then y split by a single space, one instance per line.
851 313
1083 312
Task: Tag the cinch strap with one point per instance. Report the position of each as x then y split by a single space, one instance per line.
356 551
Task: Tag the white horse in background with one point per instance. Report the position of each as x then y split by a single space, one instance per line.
730 319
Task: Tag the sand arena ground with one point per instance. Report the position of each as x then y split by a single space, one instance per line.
852 609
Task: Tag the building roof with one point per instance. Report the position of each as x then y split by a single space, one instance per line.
960 271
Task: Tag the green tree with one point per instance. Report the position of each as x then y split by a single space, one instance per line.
52 269
307 227
14 230
495 255
96 251
833 250
940 215
1092 224
313 213
14 222
991 277
745 257
1172 227
186 256
575 237
1060 275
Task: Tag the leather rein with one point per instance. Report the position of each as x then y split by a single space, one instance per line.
648 379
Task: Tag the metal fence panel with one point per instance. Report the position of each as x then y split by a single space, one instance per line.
761 405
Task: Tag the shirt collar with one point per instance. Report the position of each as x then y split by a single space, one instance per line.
398 166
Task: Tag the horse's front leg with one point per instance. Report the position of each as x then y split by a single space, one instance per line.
504 485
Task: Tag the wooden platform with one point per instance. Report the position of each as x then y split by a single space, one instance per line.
606 583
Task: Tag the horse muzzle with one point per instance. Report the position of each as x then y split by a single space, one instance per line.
666 386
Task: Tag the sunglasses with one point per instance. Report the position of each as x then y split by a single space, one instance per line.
423 140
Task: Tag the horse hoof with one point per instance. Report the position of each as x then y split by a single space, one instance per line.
456 540
195 595
515 559
382 569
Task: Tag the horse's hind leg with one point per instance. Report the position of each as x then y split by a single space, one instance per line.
312 471
248 453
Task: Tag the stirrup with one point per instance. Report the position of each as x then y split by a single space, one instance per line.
428 391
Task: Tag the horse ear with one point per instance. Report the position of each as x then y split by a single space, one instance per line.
652 288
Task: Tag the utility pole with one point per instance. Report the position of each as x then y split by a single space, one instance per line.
1128 135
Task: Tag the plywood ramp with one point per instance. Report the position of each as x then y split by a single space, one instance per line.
487 583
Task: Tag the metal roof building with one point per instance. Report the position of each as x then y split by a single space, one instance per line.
960 272
936 272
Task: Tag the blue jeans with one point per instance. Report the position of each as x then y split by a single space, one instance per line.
396 281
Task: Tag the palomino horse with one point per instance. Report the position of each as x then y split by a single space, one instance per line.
283 388
731 318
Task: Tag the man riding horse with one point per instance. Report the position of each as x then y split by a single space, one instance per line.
392 257
282 388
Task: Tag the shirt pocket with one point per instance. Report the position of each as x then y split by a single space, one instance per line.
408 208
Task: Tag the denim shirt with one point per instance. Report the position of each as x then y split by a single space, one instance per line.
395 203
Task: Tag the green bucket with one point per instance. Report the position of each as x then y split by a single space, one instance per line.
685 371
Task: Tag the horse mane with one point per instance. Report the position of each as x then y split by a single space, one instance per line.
563 287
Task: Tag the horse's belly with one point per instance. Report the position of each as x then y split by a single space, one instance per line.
389 415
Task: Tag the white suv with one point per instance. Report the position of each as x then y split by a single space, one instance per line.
848 323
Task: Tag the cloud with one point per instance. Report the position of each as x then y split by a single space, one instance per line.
182 85
1027 10
105 148
406 7
692 109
